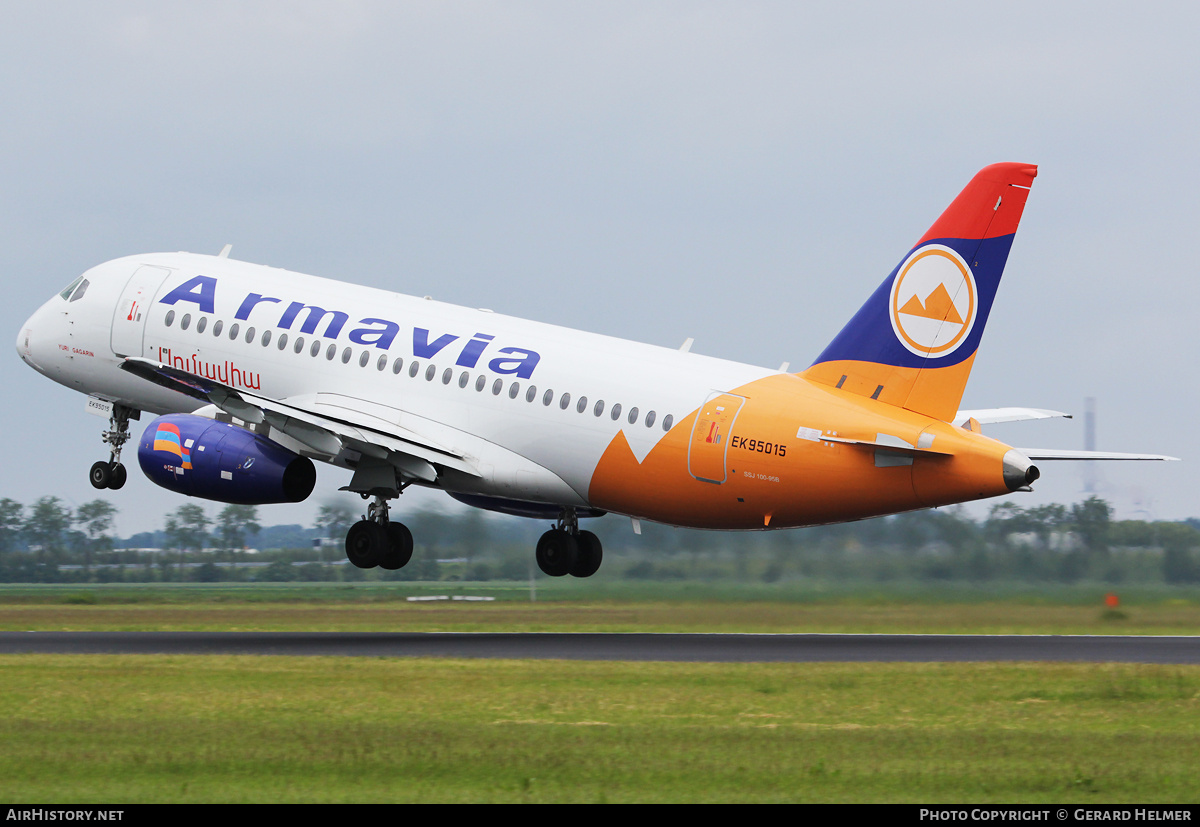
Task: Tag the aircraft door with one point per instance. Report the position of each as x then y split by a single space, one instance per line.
129 318
710 436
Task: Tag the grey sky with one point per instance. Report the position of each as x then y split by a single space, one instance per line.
743 173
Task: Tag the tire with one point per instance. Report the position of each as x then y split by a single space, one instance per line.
556 553
587 562
365 544
119 475
399 547
100 475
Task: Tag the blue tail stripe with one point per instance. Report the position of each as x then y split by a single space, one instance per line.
869 336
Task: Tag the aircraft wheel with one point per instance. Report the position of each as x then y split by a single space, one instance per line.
100 475
587 562
399 547
119 475
365 544
556 552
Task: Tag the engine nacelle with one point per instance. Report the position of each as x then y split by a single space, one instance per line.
217 461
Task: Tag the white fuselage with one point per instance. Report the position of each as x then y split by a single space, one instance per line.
486 386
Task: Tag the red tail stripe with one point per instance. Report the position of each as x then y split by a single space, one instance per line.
973 215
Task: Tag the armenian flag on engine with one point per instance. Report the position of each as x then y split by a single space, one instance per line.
167 438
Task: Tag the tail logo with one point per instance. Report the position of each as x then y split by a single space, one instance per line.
934 301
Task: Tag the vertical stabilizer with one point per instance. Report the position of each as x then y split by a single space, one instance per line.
914 341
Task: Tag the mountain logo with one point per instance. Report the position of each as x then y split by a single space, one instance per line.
933 302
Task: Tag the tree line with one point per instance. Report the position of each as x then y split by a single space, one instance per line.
48 541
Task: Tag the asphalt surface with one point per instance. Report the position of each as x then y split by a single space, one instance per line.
716 648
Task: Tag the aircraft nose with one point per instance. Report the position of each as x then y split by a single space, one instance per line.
32 340
25 339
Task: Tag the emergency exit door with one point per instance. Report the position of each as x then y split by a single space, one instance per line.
710 436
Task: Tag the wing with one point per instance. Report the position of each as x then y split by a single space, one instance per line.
989 416
324 426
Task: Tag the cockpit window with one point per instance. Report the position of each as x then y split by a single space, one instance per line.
79 291
66 293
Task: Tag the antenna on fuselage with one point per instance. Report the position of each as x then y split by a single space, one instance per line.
225 251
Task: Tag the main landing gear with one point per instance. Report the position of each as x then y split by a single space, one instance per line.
376 541
565 549
112 474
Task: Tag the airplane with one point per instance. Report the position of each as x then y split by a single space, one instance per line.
255 372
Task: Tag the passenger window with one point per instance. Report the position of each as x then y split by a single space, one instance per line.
217 325
364 358
531 393
581 405
633 415
203 323
298 348
249 335
397 366
346 354
480 383
497 386
447 375
331 351
185 321
616 412
381 363
513 390
233 331
547 398
667 420
599 409
564 401
430 372
463 379
414 368
266 338
170 317
650 419
282 341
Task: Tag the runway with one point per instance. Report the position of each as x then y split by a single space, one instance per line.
716 648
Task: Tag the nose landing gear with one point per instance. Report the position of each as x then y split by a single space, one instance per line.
112 474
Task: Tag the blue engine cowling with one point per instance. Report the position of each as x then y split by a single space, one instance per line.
217 461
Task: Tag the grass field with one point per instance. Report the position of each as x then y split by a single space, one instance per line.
124 729
129 729
381 608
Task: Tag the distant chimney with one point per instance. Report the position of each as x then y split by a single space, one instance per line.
1089 444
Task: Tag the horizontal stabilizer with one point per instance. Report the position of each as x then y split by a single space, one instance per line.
1046 454
889 443
988 416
